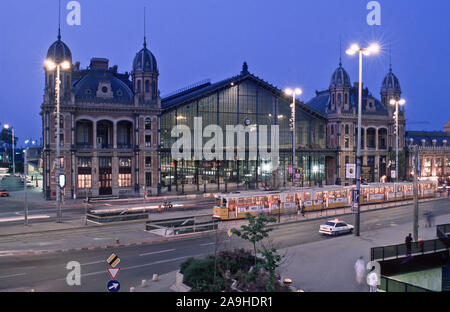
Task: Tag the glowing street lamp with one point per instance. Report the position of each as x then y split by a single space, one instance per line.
372 49
294 92
51 65
396 113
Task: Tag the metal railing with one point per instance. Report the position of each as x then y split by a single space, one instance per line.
400 250
443 230
185 225
389 284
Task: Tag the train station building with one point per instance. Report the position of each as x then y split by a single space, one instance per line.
109 123
246 100
116 131
339 103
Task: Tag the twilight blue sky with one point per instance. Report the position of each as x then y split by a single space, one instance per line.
289 43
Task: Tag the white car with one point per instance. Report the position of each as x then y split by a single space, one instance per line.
335 227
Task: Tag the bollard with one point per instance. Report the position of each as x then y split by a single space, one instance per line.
144 283
131 289
155 278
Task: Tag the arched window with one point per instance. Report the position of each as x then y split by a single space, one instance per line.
147 86
333 98
138 86
155 91
345 98
148 124
339 98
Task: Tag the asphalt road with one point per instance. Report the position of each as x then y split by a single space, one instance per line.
12 211
48 272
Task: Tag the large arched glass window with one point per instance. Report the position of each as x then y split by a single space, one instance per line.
147 86
148 124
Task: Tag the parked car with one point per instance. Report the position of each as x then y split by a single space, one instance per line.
4 193
335 227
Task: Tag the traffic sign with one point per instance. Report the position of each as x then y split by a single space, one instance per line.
113 286
113 260
113 272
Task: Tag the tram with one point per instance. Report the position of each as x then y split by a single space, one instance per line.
236 205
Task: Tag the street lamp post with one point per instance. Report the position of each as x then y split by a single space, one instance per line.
396 115
25 172
373 48
51 65
294 92
13 150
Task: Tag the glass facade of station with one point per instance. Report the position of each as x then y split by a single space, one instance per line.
243 102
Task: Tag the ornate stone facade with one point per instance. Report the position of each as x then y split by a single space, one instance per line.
340 104
109 126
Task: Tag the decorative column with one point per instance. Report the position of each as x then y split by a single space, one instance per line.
115 134
94 134
376 138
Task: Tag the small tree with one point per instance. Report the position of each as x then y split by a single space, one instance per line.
256 230
271 263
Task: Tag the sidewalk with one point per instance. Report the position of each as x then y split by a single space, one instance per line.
328 265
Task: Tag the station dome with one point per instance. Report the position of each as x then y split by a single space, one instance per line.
390 82
340 78
59 51
145 61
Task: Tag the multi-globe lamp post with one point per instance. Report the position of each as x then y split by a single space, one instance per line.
396 117
52 65
294 93
374 48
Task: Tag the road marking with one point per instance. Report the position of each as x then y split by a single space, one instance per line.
94 262
140 266
10 219
13 275
206 244
156 252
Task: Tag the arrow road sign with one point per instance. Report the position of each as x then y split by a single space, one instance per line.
113 286
113 272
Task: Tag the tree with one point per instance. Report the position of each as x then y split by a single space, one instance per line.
271 263
256 230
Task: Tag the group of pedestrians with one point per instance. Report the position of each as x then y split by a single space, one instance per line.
372 278
300 209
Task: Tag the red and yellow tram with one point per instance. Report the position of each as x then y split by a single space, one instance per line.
235 205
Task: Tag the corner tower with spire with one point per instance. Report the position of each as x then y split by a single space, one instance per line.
145 77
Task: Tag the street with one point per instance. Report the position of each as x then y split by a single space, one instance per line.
48 272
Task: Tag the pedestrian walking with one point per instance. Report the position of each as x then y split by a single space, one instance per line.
372 280
408 243
303 209
360 269
426 216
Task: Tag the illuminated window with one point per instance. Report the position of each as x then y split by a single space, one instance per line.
125 180
84 181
